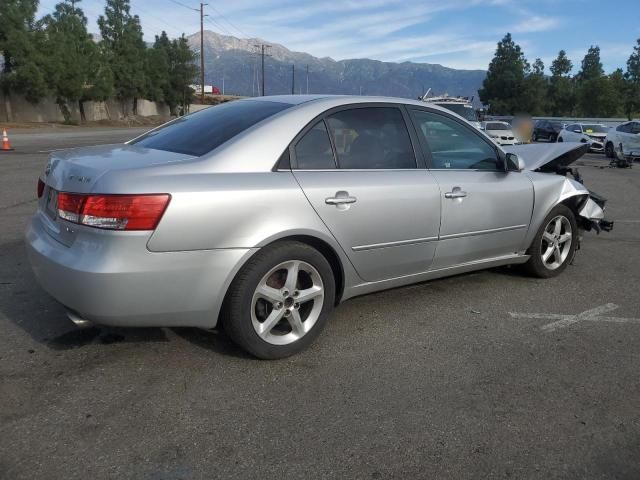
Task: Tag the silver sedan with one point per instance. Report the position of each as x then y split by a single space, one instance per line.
263 214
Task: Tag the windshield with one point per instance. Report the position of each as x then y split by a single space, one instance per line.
465 111
201 132
594 129
497 126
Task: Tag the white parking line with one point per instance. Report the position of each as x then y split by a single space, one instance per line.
562 321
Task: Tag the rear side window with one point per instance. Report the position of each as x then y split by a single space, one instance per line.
203 131
635 128
371 138
313 150
624 128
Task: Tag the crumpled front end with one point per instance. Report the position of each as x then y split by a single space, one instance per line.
556 159
592 214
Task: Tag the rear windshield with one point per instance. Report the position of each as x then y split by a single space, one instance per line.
465 111
201 132
497 126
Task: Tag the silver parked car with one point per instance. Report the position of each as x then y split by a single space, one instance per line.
263 214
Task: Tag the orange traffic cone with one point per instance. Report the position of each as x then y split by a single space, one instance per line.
6 145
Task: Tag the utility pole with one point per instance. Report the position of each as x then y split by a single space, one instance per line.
262 47
263 69
202 15
307 79
293 79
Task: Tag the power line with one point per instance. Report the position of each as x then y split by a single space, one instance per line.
183 5
146 12
229 22
218 25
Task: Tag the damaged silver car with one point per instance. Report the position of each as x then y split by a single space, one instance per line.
261 215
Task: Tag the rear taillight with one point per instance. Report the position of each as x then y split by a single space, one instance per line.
40 188
113 212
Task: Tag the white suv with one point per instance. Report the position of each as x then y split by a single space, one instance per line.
623 142
591 133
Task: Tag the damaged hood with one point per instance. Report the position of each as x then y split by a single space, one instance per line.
548 157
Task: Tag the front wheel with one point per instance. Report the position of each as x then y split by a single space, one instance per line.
281 299
608 150
560 139
554 245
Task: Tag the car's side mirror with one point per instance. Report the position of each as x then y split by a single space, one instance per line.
515 163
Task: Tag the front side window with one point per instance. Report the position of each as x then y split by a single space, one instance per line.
465 111
453 145
201 132
371 138
313 150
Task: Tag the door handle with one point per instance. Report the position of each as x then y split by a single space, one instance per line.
456 192
341 198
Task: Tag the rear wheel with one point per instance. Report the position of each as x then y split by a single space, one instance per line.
554 245
280 301
560 139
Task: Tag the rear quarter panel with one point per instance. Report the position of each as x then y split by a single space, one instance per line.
241 210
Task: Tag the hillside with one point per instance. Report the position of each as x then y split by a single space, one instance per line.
238 60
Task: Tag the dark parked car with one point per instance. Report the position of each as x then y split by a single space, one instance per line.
546 130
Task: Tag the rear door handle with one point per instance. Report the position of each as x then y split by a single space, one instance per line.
456 192
341 198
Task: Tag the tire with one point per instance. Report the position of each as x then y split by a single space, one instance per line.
534 137
608 150
559 140
537 266
273 324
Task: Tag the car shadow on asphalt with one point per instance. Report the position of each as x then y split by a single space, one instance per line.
214 340
24 303
29 307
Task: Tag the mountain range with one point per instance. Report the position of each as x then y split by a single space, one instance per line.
238 61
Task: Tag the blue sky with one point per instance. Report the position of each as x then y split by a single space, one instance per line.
454 33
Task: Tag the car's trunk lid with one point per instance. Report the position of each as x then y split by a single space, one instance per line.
77 170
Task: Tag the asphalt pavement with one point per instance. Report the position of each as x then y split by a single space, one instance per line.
484 375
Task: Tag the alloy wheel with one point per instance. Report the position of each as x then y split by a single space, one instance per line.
556 242
287 302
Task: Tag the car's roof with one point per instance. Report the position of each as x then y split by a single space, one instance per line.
338 100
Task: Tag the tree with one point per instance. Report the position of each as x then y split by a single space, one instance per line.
20 43
503 88
561 87
182 73
157 69
125 49
594 88
70 51
536 90
632 76
618 94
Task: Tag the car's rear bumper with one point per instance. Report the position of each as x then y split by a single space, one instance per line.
111 278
